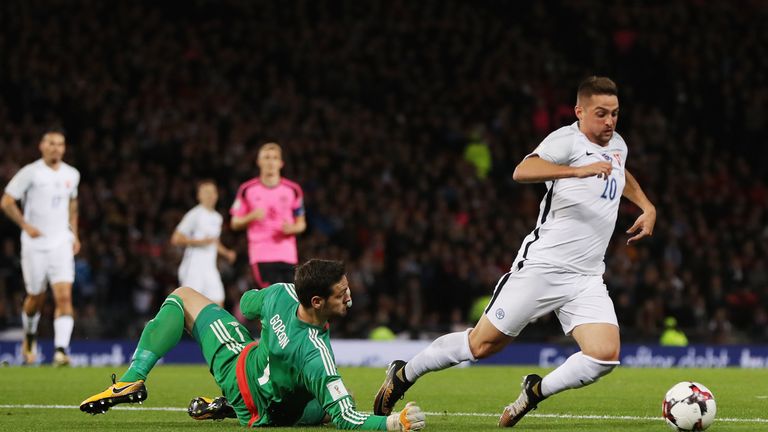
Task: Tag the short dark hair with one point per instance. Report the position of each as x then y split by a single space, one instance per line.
315 278
52 130
596 85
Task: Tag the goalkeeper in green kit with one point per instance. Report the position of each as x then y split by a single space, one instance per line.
287 378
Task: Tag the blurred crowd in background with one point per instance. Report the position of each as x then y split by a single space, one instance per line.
403 121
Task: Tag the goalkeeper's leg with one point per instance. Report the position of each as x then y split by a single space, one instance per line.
178 311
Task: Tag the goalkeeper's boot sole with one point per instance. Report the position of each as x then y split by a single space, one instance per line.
117 393
529 399
203 408
392 390
29 349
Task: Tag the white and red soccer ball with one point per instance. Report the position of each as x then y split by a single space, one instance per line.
689 406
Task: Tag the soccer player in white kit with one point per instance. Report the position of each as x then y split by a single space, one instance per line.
199 232
49 241
559 266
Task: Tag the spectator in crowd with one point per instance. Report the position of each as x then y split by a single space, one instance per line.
672 335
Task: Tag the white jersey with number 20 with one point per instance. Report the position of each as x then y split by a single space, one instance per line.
577 215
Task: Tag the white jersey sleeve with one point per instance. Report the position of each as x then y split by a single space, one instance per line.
188 222
20 183
76 175
557 148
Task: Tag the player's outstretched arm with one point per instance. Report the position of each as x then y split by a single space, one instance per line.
411 418
534 169
643 226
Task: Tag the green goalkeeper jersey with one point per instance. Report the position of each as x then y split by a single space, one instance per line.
294 365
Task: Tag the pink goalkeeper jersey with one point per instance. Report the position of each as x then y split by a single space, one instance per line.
281 204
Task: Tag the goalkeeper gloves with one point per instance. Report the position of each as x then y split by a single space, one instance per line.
411 418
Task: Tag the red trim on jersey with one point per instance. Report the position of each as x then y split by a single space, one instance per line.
242 383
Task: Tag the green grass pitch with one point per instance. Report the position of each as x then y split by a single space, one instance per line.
463 399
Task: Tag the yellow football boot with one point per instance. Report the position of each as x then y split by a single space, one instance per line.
117 393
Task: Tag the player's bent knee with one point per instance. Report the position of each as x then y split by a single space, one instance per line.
604 353
485 349
184 292
191 297
63 301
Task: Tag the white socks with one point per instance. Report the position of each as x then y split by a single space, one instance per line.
62 331
29 323
578 370
446 351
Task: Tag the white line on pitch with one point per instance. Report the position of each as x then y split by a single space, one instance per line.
457 414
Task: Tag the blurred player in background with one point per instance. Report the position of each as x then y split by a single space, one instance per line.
49 241
198 232
272 208
287 378
560 264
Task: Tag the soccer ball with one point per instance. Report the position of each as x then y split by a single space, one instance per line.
689 406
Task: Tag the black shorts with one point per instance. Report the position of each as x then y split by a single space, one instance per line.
268 273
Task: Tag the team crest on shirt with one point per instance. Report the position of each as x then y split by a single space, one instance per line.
500 313
617 156
337 389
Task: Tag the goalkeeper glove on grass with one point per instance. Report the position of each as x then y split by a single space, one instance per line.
411 418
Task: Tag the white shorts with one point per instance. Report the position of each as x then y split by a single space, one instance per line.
205 280
524 295
42 266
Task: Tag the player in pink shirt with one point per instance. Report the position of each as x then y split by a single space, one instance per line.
272 208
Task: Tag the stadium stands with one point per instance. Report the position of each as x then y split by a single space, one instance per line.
374 103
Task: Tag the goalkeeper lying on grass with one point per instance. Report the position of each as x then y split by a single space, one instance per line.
287 378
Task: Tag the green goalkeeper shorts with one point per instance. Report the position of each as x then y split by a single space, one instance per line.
221 338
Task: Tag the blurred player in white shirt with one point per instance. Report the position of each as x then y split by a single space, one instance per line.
49 240
199 233
560 265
